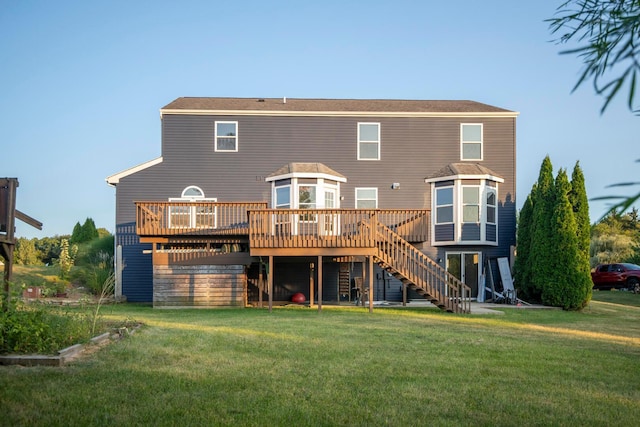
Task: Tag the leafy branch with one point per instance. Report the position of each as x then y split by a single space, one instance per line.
608 35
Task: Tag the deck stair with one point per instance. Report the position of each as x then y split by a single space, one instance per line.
420 273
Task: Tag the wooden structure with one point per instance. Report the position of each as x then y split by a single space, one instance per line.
203 245
8 215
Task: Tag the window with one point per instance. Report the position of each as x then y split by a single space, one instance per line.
471 141
192 210
283 197
366 198
307 196
226 138
368 141
307 200
444 205
471 204
491 207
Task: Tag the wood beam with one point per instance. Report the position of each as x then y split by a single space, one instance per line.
27 219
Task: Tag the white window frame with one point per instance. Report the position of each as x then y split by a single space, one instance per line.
378 142
357 199
489 191
192 212
463 142
216 136
451 205
478 204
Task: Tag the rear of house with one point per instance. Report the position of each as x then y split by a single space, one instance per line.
301 191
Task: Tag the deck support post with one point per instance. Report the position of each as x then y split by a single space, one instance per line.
270 282
319 283
311 285
404 294
370 280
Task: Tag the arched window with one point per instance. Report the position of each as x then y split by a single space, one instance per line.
192 192
192 209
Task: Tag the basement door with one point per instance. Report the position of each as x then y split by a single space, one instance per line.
466 267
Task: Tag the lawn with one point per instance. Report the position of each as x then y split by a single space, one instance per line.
344 366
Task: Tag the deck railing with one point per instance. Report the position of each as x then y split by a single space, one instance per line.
193 218
332 228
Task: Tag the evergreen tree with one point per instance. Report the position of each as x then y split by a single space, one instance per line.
540 257
564 286
89 231
76 236
580 206
522 266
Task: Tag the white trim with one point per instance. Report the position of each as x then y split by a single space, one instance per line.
306 175
379 142
355 204
459 177
192 112
463 142
216 136
115 178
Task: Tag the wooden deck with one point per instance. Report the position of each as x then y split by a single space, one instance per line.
384 235
163 219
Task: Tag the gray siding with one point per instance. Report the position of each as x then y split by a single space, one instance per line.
411 149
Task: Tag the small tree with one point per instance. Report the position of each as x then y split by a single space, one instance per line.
25 252
67 258
76 236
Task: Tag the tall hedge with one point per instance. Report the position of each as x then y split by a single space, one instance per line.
542 233
552 262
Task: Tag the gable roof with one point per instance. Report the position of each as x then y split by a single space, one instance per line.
334 107
306 170
114 179
464 170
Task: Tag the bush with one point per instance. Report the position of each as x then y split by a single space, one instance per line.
35 328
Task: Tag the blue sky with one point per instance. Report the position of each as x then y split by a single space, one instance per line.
83 82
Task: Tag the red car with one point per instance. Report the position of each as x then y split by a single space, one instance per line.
618 276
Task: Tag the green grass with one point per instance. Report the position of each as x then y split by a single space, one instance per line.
344 366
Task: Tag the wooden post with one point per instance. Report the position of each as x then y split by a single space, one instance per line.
270 282
404 294
319 283
260 285
370 278
311 285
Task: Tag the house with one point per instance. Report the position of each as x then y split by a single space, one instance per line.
256 199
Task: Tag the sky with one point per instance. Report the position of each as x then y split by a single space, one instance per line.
82 83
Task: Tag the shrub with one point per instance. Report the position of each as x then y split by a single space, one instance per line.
35 328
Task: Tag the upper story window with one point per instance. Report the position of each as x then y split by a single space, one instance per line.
444 205
366 198
471 141
226 136
471 204
368 141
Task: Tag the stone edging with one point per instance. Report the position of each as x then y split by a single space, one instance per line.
66 354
